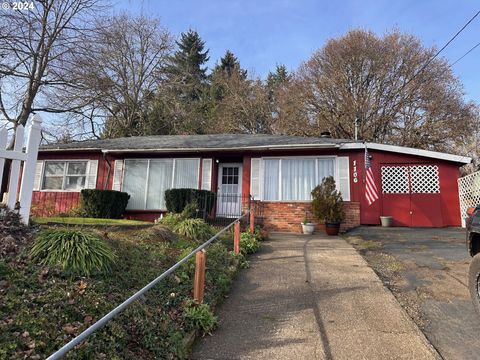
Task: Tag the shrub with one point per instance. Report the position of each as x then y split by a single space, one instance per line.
248 243
261 234
171 220
199 317
194 229
177 199
105 204
327 203
14 235
190 211
76 251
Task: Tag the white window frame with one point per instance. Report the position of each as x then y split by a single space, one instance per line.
86 175
336 175
125 161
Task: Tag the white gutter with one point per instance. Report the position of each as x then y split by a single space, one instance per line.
409 151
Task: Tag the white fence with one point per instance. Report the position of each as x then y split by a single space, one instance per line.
22 198
469 193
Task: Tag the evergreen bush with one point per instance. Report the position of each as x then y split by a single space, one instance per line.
104 204
177 199
327 202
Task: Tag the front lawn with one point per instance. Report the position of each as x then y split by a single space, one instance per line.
87 221
42 308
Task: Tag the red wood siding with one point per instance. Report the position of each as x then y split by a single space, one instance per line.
449 206
448 175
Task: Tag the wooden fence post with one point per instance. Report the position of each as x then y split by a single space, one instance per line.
29 167
236 237
252 222
199 281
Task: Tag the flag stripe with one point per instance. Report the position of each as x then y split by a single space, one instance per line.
371 192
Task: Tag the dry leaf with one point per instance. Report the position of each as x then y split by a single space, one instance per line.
69 329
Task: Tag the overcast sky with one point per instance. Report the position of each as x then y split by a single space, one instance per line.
262 33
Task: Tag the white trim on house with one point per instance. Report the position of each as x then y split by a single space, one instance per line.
408 151
340 146
335 158
90 178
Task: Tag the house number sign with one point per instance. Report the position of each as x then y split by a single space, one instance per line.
355 173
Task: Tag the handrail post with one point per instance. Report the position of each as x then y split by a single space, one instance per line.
199 280
236 237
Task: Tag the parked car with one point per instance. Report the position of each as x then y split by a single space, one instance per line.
473 247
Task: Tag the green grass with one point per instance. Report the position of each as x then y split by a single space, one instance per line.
87 221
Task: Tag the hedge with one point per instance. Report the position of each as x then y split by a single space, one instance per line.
177 199
105 204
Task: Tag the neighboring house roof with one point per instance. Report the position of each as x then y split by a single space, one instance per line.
224 142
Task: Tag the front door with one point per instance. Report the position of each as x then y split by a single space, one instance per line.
229 192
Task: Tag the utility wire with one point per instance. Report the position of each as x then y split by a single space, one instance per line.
443 48
468 52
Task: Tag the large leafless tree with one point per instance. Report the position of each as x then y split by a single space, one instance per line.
118 74
388 83
37 49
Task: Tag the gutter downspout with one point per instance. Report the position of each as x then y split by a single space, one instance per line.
109 168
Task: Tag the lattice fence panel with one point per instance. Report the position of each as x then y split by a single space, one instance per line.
424 179
395 179
469 193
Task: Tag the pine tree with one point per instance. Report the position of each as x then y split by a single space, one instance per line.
229 64
278 78
184 93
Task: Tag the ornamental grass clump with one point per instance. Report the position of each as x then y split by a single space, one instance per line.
76 251
194 229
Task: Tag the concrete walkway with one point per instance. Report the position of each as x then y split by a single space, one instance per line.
311 297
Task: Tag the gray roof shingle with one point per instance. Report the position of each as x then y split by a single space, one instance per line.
194 142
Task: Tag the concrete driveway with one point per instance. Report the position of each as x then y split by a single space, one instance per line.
311 297
429 278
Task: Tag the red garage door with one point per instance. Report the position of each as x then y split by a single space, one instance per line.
411 194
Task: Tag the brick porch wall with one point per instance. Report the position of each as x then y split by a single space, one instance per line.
287 216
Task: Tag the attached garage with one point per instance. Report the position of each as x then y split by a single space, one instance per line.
418 188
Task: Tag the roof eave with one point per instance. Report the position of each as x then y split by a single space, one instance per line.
409 151
214 149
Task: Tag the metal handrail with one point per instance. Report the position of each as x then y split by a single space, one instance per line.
87 332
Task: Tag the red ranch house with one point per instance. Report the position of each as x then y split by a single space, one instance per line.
416 187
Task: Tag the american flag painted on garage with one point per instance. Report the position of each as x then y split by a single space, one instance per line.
371 192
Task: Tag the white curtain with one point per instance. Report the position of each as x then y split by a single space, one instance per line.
159 180
326 167
134 183
298 178
271 175
186 173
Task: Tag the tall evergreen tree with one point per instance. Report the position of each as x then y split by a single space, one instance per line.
229 64
224 70
183 96
186 71
279 77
